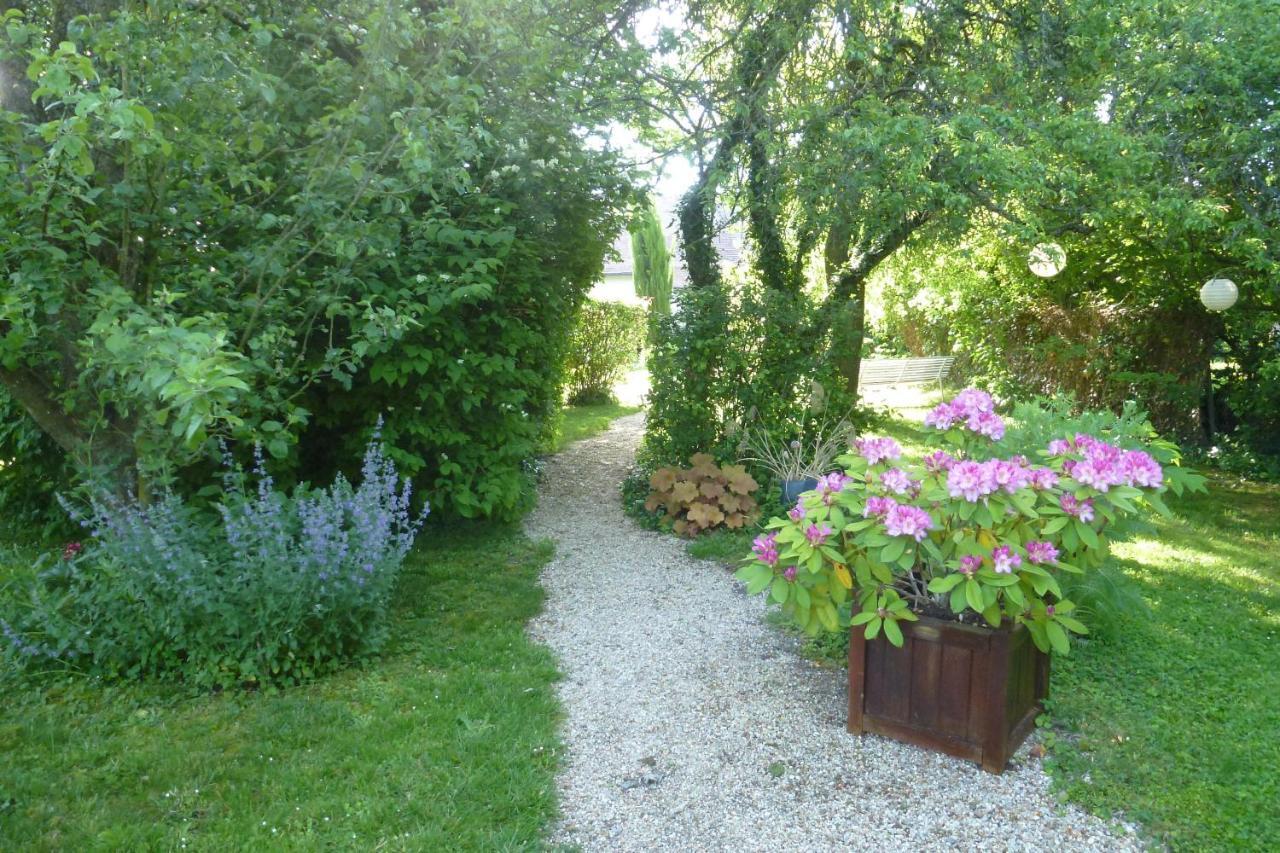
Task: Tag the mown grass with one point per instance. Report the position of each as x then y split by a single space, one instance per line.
447 741
579 422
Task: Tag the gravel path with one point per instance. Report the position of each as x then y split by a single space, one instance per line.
683 707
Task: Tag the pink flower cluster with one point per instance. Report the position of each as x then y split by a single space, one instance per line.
1101 465
1041 552
766 549
878 506
1004 561
907 520
831 485
1082 510
797 512
972 409
970 564
876 450
817 535
975 480
896 480
939 461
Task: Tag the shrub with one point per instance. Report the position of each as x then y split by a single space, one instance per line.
703 496
605 340
953 537
278 589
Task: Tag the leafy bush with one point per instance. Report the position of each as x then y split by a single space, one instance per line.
954 537
281 589
703 496
605 340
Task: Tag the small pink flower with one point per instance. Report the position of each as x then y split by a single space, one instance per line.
942 416
1004 561
938 461
1059 447
878 506
987 423
790 574
797 512
71 550
907 520
970 564
817 535
896 481
766 549
1044 478
877 450
1041 552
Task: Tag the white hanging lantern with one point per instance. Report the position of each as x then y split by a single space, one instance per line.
1047 260
1219 294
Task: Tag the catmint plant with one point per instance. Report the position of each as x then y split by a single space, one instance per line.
274 587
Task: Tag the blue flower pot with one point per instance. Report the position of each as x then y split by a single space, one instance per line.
792 489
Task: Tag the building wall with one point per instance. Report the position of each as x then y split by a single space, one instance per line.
616 288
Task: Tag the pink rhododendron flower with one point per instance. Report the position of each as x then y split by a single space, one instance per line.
1082 510
766 548
970 480
797 512
876 450
1059 447
987 423
1004 561
971 402
1139 469
942 416
896 480
878 506
817 535
790 574
970 564
1041 552
907 520
938 461
831 485
1008 475
1044 478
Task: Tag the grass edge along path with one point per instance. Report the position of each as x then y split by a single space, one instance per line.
447 741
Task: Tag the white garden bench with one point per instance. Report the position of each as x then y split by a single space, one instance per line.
904 371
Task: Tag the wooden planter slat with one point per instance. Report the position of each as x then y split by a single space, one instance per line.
969 691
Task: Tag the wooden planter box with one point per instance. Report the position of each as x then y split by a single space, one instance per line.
965 690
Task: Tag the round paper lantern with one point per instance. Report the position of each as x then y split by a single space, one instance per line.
1219 294
1047 260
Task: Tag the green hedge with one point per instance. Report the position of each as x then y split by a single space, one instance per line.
605 340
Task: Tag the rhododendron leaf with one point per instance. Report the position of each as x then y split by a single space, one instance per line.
1087 534
907 560
973 595
1123 504
908 616
843 576
892 632
944 584
831 554
863 618
983 516
873 628
1157 503
881 573
1025 504
1067 567
993 615
893 550
1057 638
780 589
1038 636
839 594
827 613
802 597
1014 594
1055 525
815 562
1071 624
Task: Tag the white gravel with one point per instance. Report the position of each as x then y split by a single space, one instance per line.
682 706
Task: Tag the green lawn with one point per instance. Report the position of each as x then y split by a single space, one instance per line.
1173 721
447 742
581 422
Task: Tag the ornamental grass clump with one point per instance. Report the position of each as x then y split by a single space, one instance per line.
275 589
885 541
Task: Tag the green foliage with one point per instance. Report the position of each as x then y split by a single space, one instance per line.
703 496
713 374
458 716
266 228
604 342
286 588
654 266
